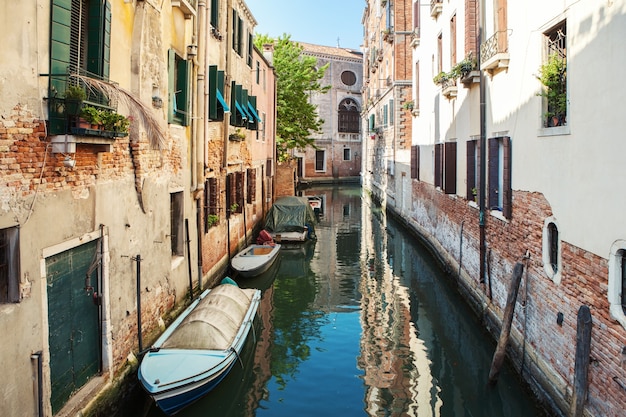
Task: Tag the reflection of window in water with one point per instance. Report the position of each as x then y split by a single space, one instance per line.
346 210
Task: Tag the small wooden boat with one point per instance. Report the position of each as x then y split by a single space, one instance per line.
196 352
255 259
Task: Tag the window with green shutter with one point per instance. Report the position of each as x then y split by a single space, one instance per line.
80 43
178 83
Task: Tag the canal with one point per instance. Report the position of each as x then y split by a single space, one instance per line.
360 322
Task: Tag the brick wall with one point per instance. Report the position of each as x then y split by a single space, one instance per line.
451 224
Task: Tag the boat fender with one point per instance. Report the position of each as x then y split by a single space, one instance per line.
228 280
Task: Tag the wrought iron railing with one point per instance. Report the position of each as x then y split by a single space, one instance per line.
496 44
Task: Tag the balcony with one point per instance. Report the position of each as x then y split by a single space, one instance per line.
494 52
448 88
188 7
435 8
415 38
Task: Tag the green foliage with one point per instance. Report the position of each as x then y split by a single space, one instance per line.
212 220
75 92
115 122
92 115
298 77
552 75
441 78
464 67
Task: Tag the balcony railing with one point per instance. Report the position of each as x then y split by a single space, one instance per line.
494 52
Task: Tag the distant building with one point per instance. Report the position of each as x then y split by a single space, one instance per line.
337 156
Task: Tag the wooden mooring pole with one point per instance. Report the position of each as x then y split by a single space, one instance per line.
583 351
507 319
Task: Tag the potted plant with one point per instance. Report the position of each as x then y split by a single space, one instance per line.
115 122
464 67
408 105
234 207
74 97
552 75
92 115
441 78
238 135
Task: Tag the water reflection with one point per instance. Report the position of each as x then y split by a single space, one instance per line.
362 322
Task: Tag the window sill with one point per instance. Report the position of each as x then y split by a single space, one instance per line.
554 131
177 261
498 215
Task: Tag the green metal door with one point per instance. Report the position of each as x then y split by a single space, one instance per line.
73 322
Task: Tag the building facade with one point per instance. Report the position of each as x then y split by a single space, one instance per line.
108 227
336 156
503 133
387 84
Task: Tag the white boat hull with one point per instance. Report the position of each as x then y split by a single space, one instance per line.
255 259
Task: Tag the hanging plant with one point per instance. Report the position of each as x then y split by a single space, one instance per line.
552 75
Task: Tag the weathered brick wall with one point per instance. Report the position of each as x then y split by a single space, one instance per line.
285 181
549 348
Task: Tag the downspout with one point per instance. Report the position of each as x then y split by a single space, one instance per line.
483 146
37 357
227 79
201 132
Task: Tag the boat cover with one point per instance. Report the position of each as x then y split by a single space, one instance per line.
289 214
214 323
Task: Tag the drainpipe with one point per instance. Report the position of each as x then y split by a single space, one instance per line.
483 148
201 132
37 357
227 79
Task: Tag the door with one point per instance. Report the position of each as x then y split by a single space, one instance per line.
73 321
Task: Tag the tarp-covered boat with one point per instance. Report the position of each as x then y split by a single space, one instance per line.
196 352
255 259
291 219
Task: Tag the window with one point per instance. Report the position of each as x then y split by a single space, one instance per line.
472 164
80 42
177 237
215 13
268 167
9 265
445 167
391 112
217 104
250 48
349 116
617 281
551 253
553 76
499 191
211 200
258 73
439 53
178 97
415 161
237 34
453 40
386 115
320 161
346 154
416 104
234 193
348 78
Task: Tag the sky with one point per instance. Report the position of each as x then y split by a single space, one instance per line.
319 22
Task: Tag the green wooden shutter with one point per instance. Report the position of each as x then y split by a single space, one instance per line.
215 7
99 39
60 36
212 113
184 77
171 84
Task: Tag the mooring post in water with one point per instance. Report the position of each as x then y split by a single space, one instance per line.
583 350
507 319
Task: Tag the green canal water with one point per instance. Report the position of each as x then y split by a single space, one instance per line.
360 322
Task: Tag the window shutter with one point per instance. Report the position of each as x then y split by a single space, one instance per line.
171 84
438 172
415 154
184 74
60 36
214 196
471 169
492 175
239 191
215 13
450 168
212 102
507 198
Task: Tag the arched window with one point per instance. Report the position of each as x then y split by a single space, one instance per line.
349 116
617 281
552 250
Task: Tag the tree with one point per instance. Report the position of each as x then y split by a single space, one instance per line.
297 77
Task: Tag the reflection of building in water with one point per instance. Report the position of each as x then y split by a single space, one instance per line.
336 262
394 360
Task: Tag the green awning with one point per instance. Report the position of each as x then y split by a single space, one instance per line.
220 98
254 113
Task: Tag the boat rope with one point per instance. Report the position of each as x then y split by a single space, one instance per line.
238 357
